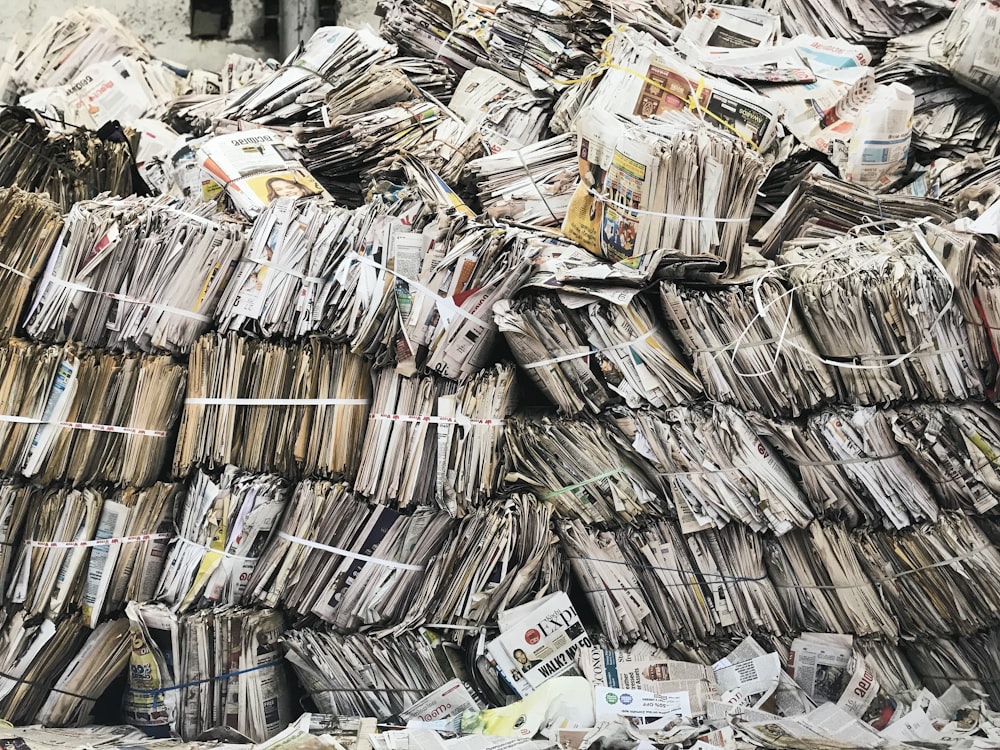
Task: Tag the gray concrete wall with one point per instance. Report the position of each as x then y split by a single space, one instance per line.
165 26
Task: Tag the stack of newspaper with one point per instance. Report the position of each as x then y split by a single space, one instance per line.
667 183
508 386
586 469
86 416
878 356
588 355
58 52
28 231
70 167
219 667
135 274
253 168
748 345
222 529
295 409
530 185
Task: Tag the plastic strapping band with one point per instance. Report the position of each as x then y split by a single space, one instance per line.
285 270
347 553
858 460
442 302
623 207
157 691
578 355
98 542
189 543
585 482
46 687
212 401
438 420
16 272
125 298
86 426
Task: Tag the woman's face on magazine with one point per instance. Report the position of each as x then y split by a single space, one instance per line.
287 189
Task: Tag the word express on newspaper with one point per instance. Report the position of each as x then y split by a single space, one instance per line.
537 641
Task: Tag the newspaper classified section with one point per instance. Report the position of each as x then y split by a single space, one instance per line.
563 375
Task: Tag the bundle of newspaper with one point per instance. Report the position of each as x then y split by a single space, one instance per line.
454 32
968 665
418 292
955 446
872 23
822 585
667 183
949 566
86 416
399 461
587 469
970 46
824 207
739 338
502 555
587 354
640 77
28 231
530 185
545 44
852 468
344 561
99 662
106 548
295 409
58 52
217 667
121 89
279 287
354 675
349 152
294 92
34 651
471 457
253 167
222 530
949 120
70 167
133 274
507 115
397 80
878 353
718 469
661 587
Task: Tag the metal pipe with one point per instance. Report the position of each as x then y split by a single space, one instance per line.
297 20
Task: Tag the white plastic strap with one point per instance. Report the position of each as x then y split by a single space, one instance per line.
285 270
447 303
578 355
438 420
86 426
189 543
125 298
278 401
14 271
98 542
623 207
348 553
